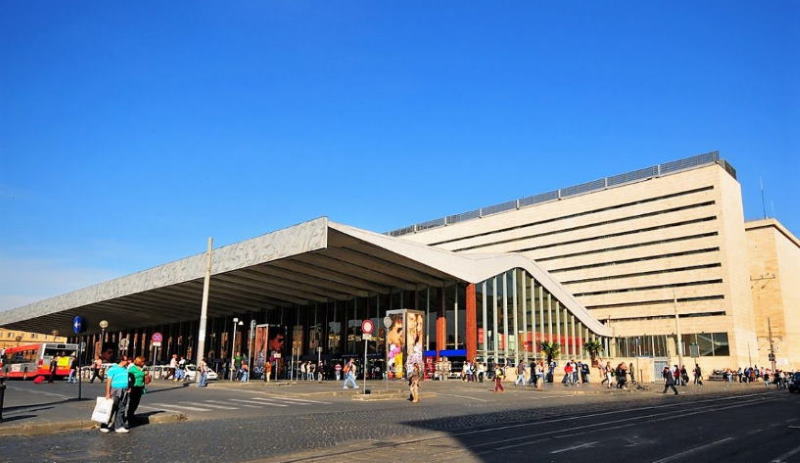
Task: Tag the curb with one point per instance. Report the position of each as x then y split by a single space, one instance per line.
74 425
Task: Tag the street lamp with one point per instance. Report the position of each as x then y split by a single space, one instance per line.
236 321
103 325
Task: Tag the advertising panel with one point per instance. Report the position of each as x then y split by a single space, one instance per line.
405 341
260 351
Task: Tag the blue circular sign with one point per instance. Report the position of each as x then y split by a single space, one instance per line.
77 324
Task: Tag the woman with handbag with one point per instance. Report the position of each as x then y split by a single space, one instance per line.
139 379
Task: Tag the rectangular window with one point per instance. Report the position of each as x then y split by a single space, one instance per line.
721 347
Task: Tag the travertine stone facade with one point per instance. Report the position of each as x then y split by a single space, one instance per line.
636 254
774 265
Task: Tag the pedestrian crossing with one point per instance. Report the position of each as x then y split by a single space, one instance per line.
218 405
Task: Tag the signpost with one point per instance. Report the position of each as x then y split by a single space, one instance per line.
77 327
366 332
155 341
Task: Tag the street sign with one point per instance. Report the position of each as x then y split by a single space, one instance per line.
123 344
156 337
367 326
77 324
366 337
319 349
387 322
276 355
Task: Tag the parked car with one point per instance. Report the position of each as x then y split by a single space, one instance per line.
794 382
191 371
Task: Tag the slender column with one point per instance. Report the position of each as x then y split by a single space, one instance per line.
441 326
455 316
485 324
505 316
514 306
559 341
201 334
524 342
495 337
427 315
471 323
574 336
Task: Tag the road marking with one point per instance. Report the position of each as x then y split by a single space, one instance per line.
782 458
679 456
226 403
585 445
297 400
463 397
52 394
266 400
260 403
194 409
221 407
159 409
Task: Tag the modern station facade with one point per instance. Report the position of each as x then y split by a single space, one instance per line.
658 265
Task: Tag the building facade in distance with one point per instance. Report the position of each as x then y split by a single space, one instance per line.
13 338
662 255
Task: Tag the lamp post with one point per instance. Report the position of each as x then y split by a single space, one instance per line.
236 321
103 325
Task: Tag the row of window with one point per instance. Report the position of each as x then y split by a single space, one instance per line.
697 344
579 214
648 288
641 274
636 259
630 246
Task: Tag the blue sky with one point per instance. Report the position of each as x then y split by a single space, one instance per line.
130 132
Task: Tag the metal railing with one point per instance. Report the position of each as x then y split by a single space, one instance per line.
588 187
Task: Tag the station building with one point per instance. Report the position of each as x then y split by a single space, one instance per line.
658 265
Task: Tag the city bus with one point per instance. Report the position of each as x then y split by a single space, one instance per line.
32 360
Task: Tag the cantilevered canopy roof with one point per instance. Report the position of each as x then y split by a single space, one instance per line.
314 262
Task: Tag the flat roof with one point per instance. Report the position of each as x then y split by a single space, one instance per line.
317 261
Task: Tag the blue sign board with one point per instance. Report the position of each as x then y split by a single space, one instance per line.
77 324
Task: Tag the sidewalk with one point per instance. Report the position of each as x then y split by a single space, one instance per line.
40 412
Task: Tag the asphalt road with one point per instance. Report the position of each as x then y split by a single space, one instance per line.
460 424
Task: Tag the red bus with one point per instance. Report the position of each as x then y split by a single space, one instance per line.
32 360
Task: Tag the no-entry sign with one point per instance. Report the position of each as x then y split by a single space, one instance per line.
156 339
367 327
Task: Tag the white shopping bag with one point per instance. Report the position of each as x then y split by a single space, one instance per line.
102 410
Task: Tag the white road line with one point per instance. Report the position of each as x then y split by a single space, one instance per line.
265 400
299 400
679 456
575 447
159 409
194 409
53 394
782 458
226 403
463 397
221 407
260 403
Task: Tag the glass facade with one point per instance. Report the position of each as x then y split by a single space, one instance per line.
515 314
709 344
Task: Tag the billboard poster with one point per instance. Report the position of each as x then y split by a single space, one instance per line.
260 350
314 337
297 340
405 341
395 343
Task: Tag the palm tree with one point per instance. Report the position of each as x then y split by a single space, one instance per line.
594 348
551 349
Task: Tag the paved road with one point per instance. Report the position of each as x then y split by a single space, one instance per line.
461 423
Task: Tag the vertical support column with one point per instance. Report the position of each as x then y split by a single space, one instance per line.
574 335
514 306
455 316
505 317
485 340
495 336
559 340
524 342
549 317
441 325
427 316
471 323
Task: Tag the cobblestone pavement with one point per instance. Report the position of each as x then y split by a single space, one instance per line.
278 432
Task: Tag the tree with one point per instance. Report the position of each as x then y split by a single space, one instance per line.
594 348
550 349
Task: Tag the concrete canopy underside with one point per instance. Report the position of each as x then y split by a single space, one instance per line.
313 262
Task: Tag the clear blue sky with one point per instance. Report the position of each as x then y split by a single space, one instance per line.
131 131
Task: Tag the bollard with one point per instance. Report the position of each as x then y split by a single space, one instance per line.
2 395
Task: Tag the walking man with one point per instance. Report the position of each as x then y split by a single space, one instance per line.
698 375
138 379
118 388
669 380
350 375
520 375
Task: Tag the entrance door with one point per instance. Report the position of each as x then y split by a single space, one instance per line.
658 367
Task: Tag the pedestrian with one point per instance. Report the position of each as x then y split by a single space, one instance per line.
498 379
630 373
669 380
585 371
180 371
698 375
202 371
337 370
481 372
621 375
73 369
414 378
320 370
267 371
684 376
350 375
520 375
173 367
138 380
53 367
118 388
97 366
539 375
567 381
245 375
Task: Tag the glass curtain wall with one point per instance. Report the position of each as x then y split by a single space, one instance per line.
516 315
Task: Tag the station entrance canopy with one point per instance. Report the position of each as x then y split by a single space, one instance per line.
313 262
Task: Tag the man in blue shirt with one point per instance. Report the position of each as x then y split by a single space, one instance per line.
118 387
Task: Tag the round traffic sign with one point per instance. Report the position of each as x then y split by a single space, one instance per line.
367 326
156 337
387 322
77 324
